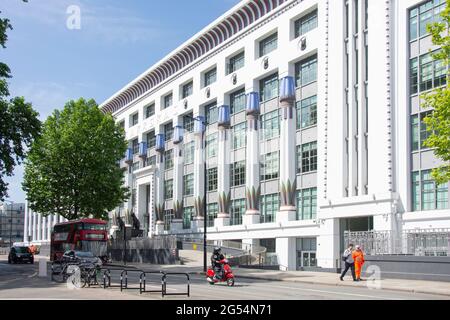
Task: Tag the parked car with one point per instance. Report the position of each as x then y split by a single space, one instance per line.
83 257
20 254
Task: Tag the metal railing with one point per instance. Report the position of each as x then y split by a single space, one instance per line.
416 242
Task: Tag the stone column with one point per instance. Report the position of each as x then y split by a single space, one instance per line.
223 170
49 227
252 180
33 226
25 229
199 170
288 175
159 184
178 175
39 226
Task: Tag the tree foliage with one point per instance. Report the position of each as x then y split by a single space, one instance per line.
19 123
438 122
72 168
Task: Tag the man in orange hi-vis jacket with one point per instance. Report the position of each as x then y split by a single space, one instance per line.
358 257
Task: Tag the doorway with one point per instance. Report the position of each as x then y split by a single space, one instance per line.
355 225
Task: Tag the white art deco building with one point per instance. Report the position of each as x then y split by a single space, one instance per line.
312 128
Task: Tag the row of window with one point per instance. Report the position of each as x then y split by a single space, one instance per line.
423 15
270 204
305 73
426 73
427 194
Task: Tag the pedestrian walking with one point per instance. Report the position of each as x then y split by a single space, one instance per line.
347 257
358 257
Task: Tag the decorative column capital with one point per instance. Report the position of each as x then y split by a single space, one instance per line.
287 90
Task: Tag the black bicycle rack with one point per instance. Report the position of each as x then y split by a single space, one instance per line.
164 281
143 282
107 275
125 273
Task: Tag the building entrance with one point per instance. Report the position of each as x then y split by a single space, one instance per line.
354 225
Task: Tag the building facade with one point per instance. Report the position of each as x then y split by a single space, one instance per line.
301 119
11 223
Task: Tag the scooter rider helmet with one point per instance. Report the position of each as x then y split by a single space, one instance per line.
217 250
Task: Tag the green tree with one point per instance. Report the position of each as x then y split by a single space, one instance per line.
19 123
72 167
438 122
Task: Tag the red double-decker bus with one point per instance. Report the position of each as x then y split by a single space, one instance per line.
88 235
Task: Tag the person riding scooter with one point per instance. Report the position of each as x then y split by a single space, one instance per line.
216 257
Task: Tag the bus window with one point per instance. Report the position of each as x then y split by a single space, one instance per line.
95 227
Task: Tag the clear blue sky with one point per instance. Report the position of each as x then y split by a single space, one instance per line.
118 40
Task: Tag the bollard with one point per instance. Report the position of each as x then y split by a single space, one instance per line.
42 268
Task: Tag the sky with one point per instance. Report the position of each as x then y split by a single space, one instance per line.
55 57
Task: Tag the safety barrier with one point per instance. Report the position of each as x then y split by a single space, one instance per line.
164 280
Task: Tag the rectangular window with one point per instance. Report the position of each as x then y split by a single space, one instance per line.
237 211
414 76
415 133
168 131
268 44
168 101
122 124
211 113
188 185
236 62
210 77
189 149
188 123
269 87
237 174
211 145
239 136
168 159
168 189
237 101
270 124
427 194
188 214
307 112
149 111
151 161
424 132
270 166
187 90
151 139
212 179
270 205
307 204
307 157
135 146
306 24
306 71
168 218
213 210
426 72
134 119
432 73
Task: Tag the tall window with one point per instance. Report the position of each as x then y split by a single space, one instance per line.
211 145
419 131
188 88
168 189
134 119
211 113
188 123
189 149
239 136
135 146
307 112
307 204
237 211
149 110
306 71
168 131
269 207
270 123
168 100
168 159
151 139
212 210
268 44
422 15
210 77
270 166
306 24
188 185
212 179
414 76
188 214
307 157
236 62
168 218
237 174
427 194
237 101
269 87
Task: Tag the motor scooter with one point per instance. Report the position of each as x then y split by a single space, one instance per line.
227 274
